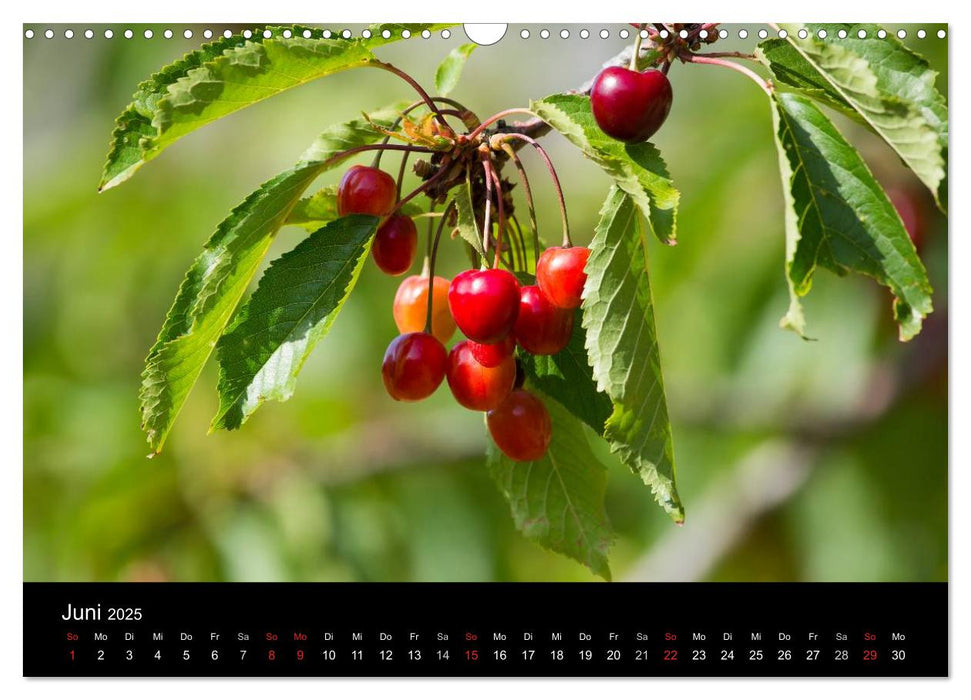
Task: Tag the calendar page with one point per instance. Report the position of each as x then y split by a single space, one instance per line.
485 350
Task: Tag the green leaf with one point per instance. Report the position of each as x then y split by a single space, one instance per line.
450 69
316 210
838 216
637 169
220 276
889 87
792 71
622 346
466 223
558 501
220 78
567 377
320 208
293 308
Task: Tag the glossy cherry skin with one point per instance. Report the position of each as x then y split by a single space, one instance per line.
476 387
521 426
411 307
493 354
365 190
630 106
395 244
484 304
559 273
414 366
542 328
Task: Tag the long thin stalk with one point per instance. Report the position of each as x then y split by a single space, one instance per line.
414 84
431 268
496 117
502 212
401 173
520 240
752 75
527 194
567 242
487 218
446 162
637 48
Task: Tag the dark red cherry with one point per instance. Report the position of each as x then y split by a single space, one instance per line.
630 106
474 386
559 273
394 245
414 366
542 328
484 304
521 427
365 190
493 354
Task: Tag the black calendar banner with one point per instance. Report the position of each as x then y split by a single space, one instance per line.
464 629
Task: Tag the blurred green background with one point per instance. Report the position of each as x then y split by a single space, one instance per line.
797 460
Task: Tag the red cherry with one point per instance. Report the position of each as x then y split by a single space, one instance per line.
474 386
493 354
365 190
910 207
630 106
394 245
411 306
414 366
484 304
541 328
559 273
521 426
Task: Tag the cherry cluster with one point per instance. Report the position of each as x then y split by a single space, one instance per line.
490 307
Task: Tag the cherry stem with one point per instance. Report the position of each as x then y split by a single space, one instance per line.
414 84
378 147
401 173
487 218
637 48
567 242
528 195
446 162
428 238
514 226
429 295
727 54
502 211
752 75
496 117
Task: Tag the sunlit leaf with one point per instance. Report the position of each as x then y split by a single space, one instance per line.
622 346
293 308
878 81
450 69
